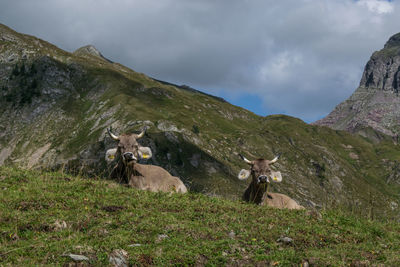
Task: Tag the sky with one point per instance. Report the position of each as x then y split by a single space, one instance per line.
295 57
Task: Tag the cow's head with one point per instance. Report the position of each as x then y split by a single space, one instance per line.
261 171
128 150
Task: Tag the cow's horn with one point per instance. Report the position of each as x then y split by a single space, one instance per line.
275 159
142 133
245 160
113 136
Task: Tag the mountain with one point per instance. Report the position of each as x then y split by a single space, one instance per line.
376 102
55 107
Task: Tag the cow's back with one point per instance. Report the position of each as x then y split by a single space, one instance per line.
281 201
154 178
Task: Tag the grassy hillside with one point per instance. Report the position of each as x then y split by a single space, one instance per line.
61 104
47 215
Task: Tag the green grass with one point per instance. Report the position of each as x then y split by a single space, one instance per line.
102 216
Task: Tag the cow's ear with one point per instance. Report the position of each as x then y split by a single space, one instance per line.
276 177
110 154
244 174
145 152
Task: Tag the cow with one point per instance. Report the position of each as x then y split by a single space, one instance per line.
144 177
262 175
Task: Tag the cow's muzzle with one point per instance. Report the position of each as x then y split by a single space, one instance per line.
128 156
263 179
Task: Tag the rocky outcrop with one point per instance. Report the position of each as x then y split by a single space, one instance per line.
90 50
376 102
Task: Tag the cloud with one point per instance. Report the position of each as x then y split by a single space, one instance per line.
377 6
300 57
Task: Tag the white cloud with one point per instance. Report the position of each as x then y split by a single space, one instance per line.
281 66
377 6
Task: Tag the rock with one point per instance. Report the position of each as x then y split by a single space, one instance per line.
311 204
285 240
12 57
189 137
84 249
146 123
336 183
360 263
103 232
353 155
232 234
210 167
171 137
161 237
134 245
347 146
59 225
167 126
195 160
76 257
119 258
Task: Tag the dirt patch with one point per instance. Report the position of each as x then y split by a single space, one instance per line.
112 208
202 260
145 260
38 228
31 205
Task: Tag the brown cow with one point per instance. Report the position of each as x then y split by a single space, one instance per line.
262 174
144 177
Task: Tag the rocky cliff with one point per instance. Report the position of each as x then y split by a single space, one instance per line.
376 102
55 107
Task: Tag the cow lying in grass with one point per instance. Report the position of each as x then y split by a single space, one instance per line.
144 177
262 175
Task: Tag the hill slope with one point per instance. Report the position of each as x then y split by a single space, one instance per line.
55 108
48 216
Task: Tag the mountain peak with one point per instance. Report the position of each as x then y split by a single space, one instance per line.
90 50
393 41
375 102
